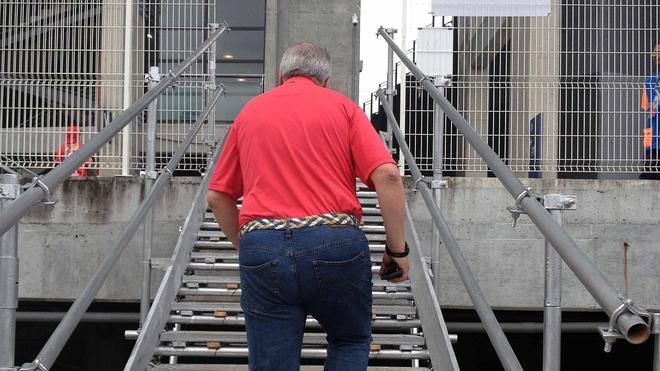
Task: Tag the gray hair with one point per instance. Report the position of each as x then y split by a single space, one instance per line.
305 59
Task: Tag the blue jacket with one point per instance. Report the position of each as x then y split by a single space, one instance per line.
651 104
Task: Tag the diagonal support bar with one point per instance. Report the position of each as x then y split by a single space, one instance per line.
493 329
635 329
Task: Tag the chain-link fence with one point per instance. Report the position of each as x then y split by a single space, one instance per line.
67 64
573 94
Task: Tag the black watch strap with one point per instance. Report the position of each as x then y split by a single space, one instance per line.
397 254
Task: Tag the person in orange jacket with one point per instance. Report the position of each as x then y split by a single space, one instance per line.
71 145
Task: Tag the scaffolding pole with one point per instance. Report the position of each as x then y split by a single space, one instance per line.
555 204
9 190
153 78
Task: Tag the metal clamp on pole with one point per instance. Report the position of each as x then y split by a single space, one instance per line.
37 183
611 333
439 184
517 210
414 187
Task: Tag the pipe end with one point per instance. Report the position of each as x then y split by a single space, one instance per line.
638 333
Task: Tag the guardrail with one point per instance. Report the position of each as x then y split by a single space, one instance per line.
492 327
39 191
626 320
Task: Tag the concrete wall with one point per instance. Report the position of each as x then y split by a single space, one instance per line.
509 263
62 245
326 22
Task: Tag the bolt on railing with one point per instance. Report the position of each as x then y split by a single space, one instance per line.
627 320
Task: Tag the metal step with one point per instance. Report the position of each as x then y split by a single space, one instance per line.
313 338
207 244
213 291
368 210
379 323
366 219
211 256
233 279
211 307
305 353
217 235
234 266
366 228
245 368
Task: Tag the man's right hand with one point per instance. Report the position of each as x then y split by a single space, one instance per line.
401 262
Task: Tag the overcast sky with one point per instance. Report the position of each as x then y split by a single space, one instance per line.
373 51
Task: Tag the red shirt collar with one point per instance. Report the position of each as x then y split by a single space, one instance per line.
299 80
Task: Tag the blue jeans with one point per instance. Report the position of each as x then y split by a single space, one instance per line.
323 271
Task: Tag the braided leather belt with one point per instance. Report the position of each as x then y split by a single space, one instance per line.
294 223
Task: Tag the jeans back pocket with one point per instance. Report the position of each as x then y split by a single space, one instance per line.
259 287
343 281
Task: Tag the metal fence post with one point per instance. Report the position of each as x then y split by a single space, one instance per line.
555 204
9 190
210 84
389 92
437 184
153 78
128 68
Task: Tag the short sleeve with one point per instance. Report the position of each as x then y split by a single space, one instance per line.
227 177
644 100
367 148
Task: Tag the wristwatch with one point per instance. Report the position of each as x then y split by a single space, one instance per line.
397 254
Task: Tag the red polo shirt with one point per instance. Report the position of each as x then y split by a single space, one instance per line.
295 151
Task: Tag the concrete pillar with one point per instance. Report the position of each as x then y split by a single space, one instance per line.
111 67
545 67
111 73
326 22
271 62
472 88
535 68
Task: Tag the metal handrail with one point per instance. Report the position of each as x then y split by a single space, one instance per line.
149 335
60 336
493 329
436 334
42 187
624 316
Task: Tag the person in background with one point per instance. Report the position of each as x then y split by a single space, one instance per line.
293 154
650 104
71 145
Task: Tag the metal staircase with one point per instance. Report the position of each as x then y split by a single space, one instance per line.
195 322
206 328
